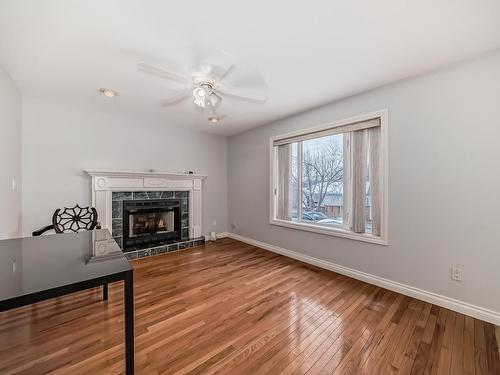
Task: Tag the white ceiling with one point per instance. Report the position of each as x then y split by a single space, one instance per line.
309 52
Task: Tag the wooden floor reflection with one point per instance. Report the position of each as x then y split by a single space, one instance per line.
229 307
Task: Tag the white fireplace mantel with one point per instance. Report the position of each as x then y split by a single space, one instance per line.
104 183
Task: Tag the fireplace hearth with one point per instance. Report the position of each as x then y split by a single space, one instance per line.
149 222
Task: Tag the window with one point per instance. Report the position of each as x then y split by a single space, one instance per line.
332 179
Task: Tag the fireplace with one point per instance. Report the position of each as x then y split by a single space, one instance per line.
149 222
111 188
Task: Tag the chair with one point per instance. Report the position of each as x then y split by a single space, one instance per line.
73 219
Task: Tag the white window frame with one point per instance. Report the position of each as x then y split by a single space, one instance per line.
331 231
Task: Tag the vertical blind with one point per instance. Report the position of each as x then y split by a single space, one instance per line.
375 179
359 172
284 169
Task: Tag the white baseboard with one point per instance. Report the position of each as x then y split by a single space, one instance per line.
431 297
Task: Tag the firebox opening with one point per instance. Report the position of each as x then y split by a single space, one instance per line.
150 222
145 223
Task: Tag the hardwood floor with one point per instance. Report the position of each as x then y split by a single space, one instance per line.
233 308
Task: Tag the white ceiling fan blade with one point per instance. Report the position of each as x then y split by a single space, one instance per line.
176 98
226 73
209 63
248 96
150 69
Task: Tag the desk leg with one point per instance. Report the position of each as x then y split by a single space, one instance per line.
105 292
129 322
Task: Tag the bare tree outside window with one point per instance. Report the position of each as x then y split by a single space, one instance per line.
322 179
323 172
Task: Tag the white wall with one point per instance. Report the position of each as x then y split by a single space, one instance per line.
60 141
444 151
10 157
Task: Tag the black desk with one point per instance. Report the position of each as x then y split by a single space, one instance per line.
38 268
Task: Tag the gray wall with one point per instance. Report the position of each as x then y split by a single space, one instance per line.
444 198
10 157
60 142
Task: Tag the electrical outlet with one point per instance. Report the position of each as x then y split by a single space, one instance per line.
214 223
456 274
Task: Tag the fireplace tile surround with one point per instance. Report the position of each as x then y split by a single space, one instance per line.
111 188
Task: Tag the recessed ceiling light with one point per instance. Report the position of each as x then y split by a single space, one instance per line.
214 120
108 92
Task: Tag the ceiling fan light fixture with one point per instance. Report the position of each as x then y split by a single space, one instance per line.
206 82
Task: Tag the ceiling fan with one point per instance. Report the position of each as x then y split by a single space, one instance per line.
209 81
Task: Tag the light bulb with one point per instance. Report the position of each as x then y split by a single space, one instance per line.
200 96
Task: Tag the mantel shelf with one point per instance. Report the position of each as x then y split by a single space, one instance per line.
175 176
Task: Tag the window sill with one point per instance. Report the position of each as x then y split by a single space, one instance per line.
336 232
